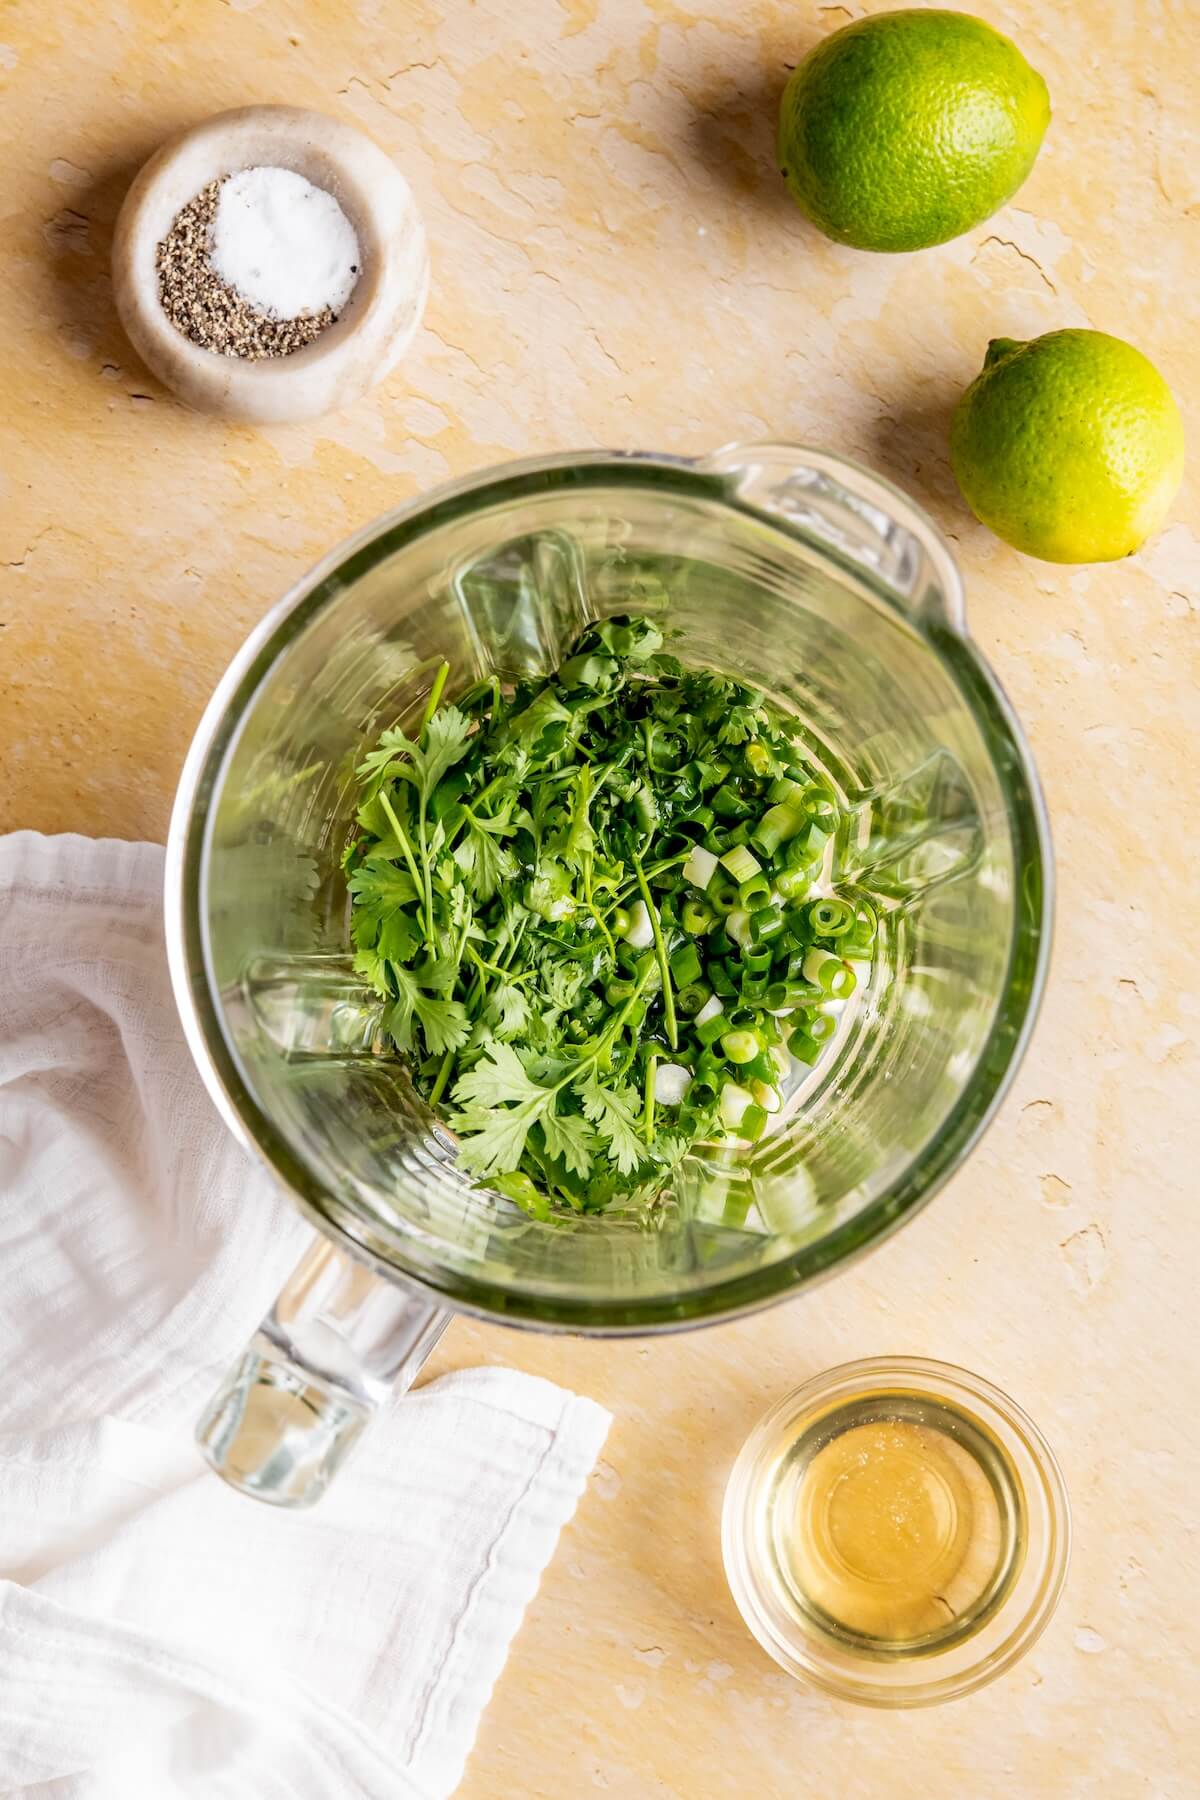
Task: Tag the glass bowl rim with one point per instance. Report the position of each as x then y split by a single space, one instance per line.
799 1657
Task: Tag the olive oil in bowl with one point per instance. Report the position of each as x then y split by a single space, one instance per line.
896 1532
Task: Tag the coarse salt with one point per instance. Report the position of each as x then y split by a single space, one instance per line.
284 245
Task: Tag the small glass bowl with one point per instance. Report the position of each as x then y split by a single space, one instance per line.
1024 1603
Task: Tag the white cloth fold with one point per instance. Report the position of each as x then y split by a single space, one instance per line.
159 1634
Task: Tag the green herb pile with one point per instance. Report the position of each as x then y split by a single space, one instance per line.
587 907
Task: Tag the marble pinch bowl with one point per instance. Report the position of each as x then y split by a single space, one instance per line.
375 326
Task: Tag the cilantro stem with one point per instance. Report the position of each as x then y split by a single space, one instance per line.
424 848
435 694
648 1115
481 962
660 951
622 891
402 839
443 1076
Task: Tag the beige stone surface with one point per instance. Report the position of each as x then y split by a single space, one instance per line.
614 262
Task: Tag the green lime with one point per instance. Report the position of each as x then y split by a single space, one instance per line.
1069 447
907 128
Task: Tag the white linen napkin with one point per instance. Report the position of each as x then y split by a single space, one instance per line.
160 1635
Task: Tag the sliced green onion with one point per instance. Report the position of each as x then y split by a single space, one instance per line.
783 790
807 847
792 884
740 1046
754 893
669 847
719 944
753 1123
740 834
783 996
690 998
830 973
696 916
758 759
711 1009
757 959
700 866
685 965
821 1027
767 1096
761 1066
711 1030
738 926
735 1103
803 1047
798 928
697 822
640 930
672 1084
766 923
741 863
819 803
720 981
830 918
721 894
621 922
860 939
777 825
754 987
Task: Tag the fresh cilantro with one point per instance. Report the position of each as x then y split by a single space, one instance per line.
612 1111
501 848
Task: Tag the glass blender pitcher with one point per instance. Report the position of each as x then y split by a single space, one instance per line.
793 570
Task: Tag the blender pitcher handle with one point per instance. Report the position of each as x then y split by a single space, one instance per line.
853 512
337 1342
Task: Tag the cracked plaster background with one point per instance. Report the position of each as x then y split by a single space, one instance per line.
614 262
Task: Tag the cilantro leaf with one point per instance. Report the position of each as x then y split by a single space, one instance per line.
444 1023
398 758
379 887
569 1138
446 738
486 863
509 1011
562 987
371 966
397 938
492 1140
499 1077
611 1110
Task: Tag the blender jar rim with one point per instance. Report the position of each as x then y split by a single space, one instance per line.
216 738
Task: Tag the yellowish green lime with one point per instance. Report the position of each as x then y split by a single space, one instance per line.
908 128
1069 447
